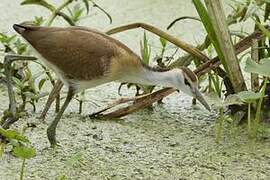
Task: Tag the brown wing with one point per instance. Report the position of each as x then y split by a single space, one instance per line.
78 53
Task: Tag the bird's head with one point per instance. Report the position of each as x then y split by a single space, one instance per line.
185 80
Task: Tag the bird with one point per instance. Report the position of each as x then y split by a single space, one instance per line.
84 58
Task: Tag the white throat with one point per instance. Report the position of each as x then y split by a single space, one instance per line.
149 77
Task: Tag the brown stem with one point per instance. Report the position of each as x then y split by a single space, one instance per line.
9 59
141 103
194 51
187 59
57 12
255 56
117 102
241 46
188 48
66 17
204 68
103 10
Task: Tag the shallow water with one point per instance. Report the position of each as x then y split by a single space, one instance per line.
174 140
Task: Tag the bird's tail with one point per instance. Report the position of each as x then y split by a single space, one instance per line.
20 28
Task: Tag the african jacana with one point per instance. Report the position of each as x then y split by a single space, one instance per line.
83 58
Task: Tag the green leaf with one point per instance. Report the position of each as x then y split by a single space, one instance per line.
163 42
2 148
62 177
261 68
39 20
249 96
6 39
24 152
216 101
209 29
182 18
20 46
77 13
18 83
43 3
41 83
27 75
263 29
145 49
86 3
31 95
103 10
232 99
12 134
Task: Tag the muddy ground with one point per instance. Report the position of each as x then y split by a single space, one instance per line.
174 140
171 141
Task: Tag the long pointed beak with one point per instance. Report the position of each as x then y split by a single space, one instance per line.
200 97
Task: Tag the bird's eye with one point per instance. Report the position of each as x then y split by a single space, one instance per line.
186 82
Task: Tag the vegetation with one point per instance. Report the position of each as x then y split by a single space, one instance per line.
221 77
22 84
229 77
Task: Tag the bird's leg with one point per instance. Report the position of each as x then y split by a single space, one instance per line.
51 131
117 102
53 94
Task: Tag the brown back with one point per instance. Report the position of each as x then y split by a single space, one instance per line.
80 53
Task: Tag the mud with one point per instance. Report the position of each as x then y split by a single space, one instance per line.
174 140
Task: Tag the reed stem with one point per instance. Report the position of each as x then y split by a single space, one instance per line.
220 26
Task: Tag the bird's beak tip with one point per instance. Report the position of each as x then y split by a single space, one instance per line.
200 98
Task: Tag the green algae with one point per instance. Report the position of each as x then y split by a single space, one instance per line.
168 142
172 141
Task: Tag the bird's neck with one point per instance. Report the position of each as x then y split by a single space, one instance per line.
149 76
